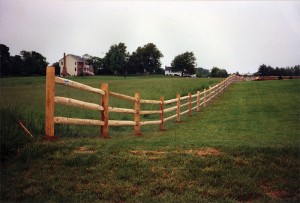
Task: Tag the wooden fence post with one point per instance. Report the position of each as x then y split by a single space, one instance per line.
49 118
161 126
190 104
204 105
104 113
178 108
137 127
198 100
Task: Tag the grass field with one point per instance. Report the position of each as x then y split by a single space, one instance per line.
243 147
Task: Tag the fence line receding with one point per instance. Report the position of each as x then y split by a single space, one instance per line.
191 101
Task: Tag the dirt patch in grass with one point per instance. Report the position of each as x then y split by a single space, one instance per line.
273 193
83 150
152 154
145 152
205 152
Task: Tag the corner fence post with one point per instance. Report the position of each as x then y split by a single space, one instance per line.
161 126
137 127
49 118
209 93
178 108
190 104
104 113
198 100
204 105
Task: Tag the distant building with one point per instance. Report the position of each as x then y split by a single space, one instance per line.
168 71
74 65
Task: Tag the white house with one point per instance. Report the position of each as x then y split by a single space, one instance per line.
168 71
74 65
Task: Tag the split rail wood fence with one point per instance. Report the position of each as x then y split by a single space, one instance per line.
192 101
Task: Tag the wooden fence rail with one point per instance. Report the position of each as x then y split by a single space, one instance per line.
190 102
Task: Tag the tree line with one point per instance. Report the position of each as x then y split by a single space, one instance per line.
117 61
25 64
265 70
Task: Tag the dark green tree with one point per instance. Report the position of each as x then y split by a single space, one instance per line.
202 73
4 60
218 73
57 68
16 65
264 70
297 70
184 63
34 63
115 59
145 59
133 64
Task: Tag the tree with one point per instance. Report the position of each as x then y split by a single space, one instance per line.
133 64
184 63
218 73
115 59
202 73
265 70
34 63
4 60
57 68
16 65
145 59
297 70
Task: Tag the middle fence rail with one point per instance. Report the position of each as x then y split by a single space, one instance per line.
190 102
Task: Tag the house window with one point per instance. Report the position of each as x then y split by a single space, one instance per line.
62 63
75 69
75 62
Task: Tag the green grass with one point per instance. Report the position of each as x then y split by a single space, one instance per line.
26 97
243 147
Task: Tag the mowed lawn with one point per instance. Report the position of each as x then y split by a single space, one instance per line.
243 147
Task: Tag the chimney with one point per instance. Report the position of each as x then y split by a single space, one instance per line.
64 72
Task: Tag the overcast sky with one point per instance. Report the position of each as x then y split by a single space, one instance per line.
235 35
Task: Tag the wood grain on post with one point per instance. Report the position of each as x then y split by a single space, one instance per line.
198 100
137 127
104 113
178 108
204 106
209 93
161 126
50 82
190 104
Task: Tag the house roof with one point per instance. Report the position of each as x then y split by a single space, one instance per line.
77 58
168 68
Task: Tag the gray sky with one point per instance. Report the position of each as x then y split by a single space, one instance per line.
235 35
